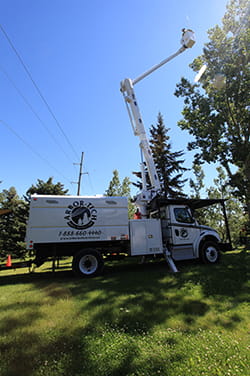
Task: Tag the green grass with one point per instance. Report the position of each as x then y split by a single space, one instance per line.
133 320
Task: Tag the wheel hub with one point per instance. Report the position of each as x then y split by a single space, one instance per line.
88 264
211 254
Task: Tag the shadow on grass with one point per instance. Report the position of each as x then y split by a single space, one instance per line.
225 278
129 299
71 353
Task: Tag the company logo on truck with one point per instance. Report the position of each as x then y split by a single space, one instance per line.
80 215
183 233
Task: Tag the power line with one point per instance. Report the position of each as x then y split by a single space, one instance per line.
38 90
33 110
32 149
90 183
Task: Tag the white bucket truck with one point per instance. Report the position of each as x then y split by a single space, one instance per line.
89 229
94 228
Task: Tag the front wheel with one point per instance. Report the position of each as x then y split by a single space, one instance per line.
87 263
209 252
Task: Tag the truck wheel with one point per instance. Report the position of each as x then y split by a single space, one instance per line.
87 263
209 252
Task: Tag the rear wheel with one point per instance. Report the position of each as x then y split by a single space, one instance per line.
209 252
87 263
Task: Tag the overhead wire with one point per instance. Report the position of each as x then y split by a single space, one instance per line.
34 112
38 90
90 183
32 149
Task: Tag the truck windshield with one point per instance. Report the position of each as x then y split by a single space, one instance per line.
183 215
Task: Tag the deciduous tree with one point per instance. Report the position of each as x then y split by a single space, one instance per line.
216 110
198 184
213 216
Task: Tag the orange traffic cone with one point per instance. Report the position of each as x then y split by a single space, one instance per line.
8 262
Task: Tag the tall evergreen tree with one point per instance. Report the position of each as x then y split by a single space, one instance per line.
168 163
138 174
114 185
12 224
117 188
46 188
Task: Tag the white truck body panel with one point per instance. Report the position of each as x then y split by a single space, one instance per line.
145 237
55 219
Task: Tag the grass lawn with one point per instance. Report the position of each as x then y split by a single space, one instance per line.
134 320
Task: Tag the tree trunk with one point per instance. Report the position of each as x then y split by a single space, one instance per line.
247 174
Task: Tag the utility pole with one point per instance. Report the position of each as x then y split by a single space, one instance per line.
80 175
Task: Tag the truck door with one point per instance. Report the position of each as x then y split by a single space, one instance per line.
184 232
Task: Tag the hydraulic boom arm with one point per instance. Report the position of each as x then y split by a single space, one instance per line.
139 130
127 88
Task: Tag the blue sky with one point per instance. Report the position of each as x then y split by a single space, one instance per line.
77 52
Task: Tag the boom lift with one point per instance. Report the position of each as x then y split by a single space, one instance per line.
94 229
127 89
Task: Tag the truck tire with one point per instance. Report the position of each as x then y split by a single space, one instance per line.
87 263
209 253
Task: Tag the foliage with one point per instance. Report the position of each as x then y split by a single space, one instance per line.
46 188
235 210
216 110
213 215
136 320
168 166
13 224
138 174
198 184
117 188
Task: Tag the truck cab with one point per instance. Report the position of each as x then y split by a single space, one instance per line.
182 235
